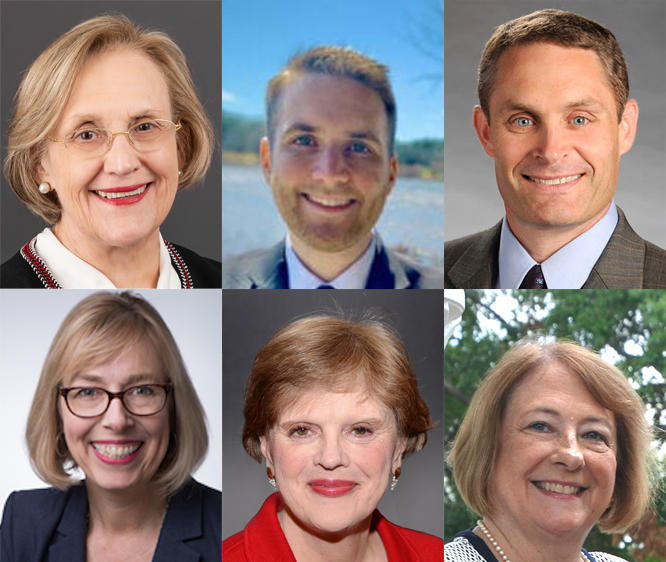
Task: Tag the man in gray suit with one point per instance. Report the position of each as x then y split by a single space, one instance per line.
555 116
328 157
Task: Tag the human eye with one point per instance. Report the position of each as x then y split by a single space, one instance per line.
145 390
304 140
539 426
359 148
362 431
522 122
87 393
300 430
87 136
595 436
580 120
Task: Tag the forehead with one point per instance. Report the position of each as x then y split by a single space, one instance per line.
332 103
117 83
544 74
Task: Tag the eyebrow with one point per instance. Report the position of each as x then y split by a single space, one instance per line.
365 421
593 419
300 126
132 379
515 105
85 117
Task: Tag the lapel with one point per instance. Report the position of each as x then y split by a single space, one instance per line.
270 271
183 521
386 272
620 265
69 541
477 266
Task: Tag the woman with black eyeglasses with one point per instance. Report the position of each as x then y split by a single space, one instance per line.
114 402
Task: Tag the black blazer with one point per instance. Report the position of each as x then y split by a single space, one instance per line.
49 525
25 271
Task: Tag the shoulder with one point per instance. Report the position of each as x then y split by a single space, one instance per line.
16 273
472 261
196 497
461 550
419 276
604 557
22 504
478 242
256 269
206 273
654 270
232 548
406 544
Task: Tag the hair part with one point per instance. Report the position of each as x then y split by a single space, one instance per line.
328 353
44 92
558 27
341 62
97 330
476 445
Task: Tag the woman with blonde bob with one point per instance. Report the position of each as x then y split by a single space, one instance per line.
115 403
333 407
554 441
107 127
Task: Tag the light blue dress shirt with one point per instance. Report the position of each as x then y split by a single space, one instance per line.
354 277
568 268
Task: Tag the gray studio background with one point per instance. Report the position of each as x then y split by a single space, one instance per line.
28 27
28 323
472 202
252 317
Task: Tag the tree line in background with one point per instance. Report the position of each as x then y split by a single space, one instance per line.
626 325
241 135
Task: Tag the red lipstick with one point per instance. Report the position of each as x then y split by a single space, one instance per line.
332 488
123 195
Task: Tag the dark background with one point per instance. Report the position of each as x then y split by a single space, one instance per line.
249 320
28 27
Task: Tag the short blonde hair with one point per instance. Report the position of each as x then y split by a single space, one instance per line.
95 331
46 86
476 444
334 354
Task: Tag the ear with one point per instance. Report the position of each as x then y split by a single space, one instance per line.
393 172
265 153
263 442
399 451
482 128
628 124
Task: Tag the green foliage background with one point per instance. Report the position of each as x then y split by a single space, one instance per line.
629 325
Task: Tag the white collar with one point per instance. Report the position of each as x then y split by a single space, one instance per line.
71 272
568 268
354 277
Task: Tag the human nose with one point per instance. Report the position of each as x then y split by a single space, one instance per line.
330 166
120 157
116 416
552 143
569 453
331 453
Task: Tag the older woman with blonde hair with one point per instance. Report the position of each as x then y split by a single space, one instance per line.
332 406
115 404
554 442
106 129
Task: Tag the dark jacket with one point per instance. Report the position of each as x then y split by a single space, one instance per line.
49 525
26 270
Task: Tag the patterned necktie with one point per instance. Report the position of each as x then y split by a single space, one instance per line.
534 279
326 287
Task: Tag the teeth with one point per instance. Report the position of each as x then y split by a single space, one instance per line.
326 202
121 194
116 451
556 181
558 488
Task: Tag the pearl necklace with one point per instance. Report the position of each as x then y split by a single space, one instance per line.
498 548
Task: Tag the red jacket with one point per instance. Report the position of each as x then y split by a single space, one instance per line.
263 540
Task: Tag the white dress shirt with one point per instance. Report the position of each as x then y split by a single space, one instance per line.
568 268
71 272
354 277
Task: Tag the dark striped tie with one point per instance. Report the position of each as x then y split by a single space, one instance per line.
534 279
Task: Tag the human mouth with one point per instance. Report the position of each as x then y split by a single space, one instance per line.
116 452
562 180
332 488
124 195
559 488
329 203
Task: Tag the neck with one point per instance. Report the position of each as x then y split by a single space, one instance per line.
133 267
328 265
360 544
541 241
527 544
128 511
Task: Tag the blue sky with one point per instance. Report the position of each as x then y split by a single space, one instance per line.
258 36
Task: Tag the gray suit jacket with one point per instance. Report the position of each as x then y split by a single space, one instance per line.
267 269
627 262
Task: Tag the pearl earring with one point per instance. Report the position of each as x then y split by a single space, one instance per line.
180 172
44 188
271 478
394 478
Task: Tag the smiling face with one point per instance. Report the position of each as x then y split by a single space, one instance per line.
329 165
554 134
114 90
555 467
332 455
118 451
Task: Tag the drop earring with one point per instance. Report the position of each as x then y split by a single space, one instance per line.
271 478
394 478
44 188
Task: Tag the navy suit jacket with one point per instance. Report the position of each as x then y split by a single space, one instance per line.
267 269
50 525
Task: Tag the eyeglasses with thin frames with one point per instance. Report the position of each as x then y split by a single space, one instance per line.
144 136
93 401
